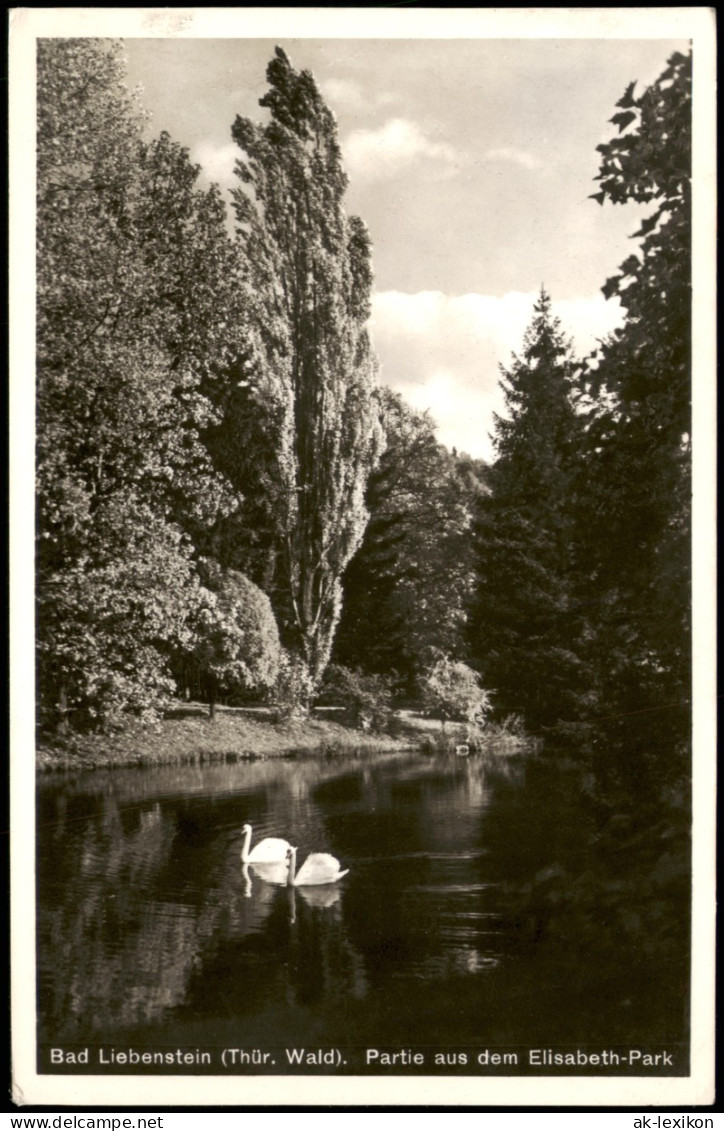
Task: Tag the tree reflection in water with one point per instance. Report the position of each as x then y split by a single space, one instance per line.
485 903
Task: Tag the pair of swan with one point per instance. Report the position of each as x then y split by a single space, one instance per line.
318 868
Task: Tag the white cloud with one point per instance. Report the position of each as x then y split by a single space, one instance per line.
463 416
345 94
217 162
516 156
443 352
378 154
588 320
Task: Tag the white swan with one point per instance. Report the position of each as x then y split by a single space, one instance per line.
271 850
274 873
270 871
319 868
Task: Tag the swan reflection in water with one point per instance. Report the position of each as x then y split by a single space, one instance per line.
274 872
314 897
276 875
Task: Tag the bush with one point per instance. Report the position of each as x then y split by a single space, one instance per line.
453 691
366 698
108 626
237 641
293 688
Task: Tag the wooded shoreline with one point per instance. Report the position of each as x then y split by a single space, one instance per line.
233 507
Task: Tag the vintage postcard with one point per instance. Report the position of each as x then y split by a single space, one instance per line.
363 675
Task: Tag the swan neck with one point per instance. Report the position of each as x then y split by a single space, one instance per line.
292 867
245 845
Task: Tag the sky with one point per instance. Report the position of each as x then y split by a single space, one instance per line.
471 161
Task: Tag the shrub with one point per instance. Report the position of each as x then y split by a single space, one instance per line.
293 687
367 698
108 625
237 641
453 691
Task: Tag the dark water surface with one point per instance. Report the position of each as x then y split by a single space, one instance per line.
484 909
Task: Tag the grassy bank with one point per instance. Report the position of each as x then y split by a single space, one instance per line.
189 736
231 736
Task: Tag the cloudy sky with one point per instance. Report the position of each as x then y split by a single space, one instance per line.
471 160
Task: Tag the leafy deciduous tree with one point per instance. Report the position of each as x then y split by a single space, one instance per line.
133 280
406 593
453 691
636 479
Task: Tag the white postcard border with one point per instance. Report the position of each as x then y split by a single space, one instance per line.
26 25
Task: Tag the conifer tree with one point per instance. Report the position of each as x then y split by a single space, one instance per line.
524 625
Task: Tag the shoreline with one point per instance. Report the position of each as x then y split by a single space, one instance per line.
231 736
187 736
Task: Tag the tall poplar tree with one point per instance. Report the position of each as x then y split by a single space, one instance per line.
525 626
302 425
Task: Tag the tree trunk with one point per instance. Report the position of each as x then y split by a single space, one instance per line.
63 725
212 696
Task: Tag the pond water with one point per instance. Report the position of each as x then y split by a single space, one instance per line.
476 919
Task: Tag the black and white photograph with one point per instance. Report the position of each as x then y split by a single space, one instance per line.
362 524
